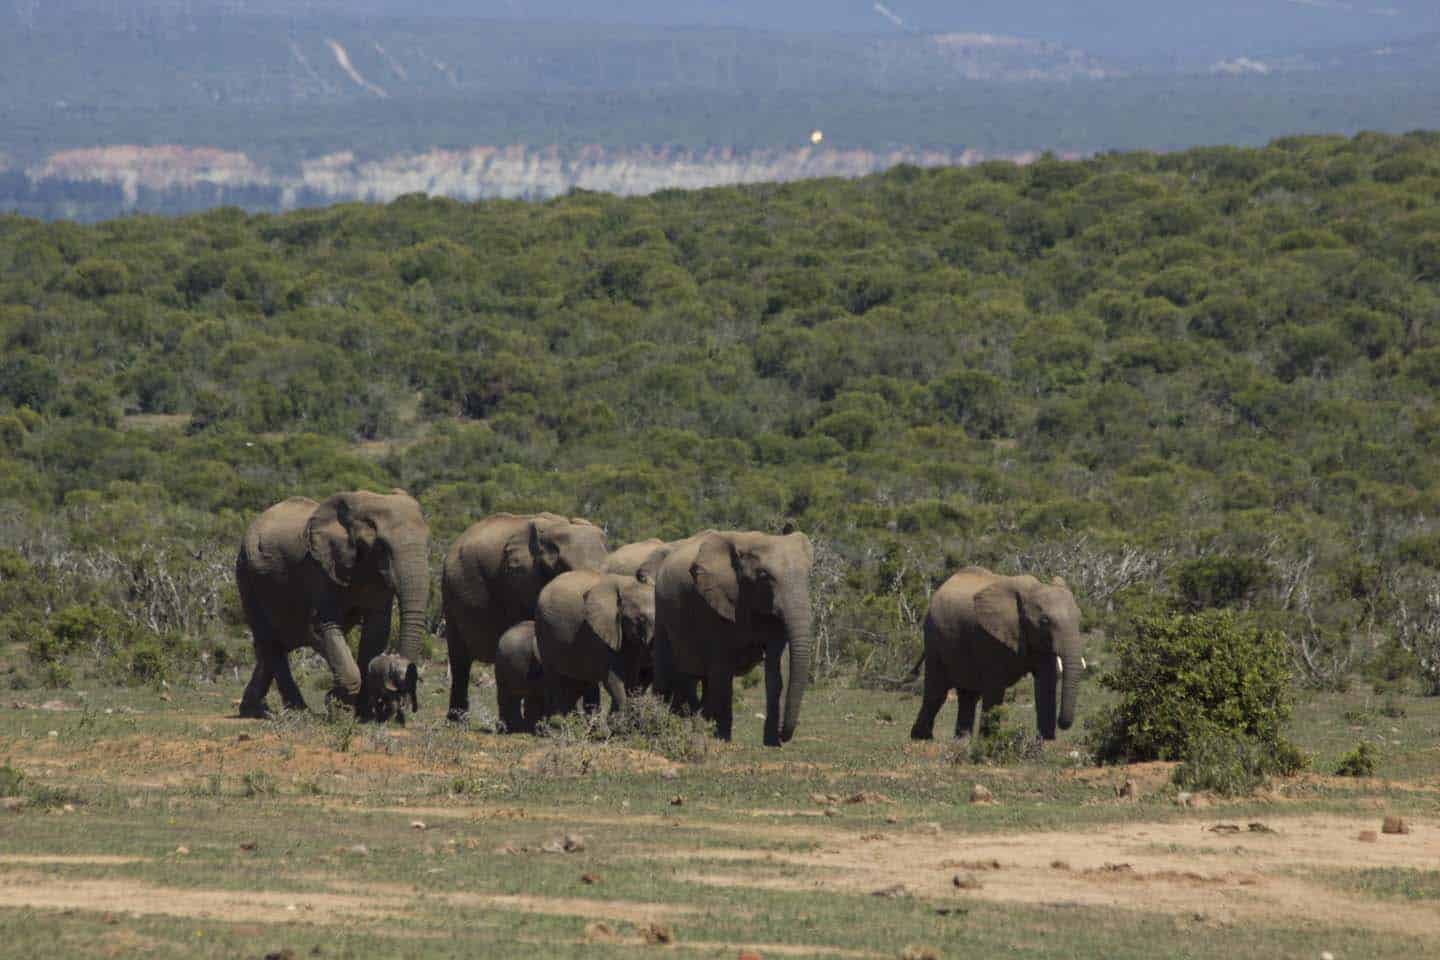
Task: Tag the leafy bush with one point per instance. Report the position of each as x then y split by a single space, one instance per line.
1187 678
1218 581
1233 765
998 744
1359 762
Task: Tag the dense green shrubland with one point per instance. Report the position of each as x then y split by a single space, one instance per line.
1207 376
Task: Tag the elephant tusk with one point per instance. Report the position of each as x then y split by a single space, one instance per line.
1083 664
1059 665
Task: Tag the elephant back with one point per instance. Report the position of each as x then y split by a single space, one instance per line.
274 544
564 640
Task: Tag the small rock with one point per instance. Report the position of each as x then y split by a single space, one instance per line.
360 850
417 824
182 851
1395 825
1182 799
249 846
980 794
600 932
574 843
1224 828
930 826
677 801
657 933
53 733
244 738
894 891
166 697
1258 827
819 798
1326 955
285 953
590 878
891 818
1128 790
68 808
964 881
13 804
1059 865
919 953
831 812
1368 836
669 773
508 850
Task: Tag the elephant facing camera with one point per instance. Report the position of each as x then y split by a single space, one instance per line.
390 680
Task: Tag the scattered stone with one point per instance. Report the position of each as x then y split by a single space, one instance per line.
53 733
600 932
417 824
182 851
1128 790
1059 865
657 933
508 850
893 892
669 773
244 738
891 818
13 804
590 878
930 826
1395 825
68 808
1224 828
919 953
1183 798
1258 827
980 794
677 801
166 697
1368 836
868 796
249 846
55 705
971 864
1326 955
831 812
964 881
1117 868
285 953
360 850
570 843
21 705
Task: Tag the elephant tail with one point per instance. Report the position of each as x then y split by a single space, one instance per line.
911 677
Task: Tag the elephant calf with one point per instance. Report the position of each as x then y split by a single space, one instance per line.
519 679
984 632
389 680
594 628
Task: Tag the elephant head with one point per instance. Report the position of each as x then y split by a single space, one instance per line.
621 612
554 545
389 680
761 583
362 537
1041 623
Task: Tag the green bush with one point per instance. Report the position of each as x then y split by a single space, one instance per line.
1183 678
1233 765
1219 581
1359 762
998 744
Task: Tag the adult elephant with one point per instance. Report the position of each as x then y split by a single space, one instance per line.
984 632
628 560
309 571
725 601
594 628
494 574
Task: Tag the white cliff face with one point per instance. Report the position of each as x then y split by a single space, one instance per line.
479 172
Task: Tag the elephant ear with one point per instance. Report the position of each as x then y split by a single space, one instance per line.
516 558
997 609
714 574
650 569
328 538
543 548
602 613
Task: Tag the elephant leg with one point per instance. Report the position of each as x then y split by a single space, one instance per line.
989 700
774 688
252 702
615 686
533 706
509 704
937 686
590 697
290 694
965 714
344 674
718 704
374 638
460 661
684 694
1045 703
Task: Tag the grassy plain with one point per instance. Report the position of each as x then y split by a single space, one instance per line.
158 825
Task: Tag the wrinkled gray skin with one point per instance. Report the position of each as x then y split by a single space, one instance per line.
985 632
519 679
308 572
594 628
389 681
493 576
628 560
724 602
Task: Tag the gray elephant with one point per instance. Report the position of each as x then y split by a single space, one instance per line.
594 628
390 680
519 679
628 560
984 632
724 602
493 576
308 572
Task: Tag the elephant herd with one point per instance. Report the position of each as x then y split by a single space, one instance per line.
560 616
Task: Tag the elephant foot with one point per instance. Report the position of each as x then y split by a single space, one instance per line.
458 714
918 734
773 742
255 711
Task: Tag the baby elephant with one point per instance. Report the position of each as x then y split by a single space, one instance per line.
389 679
985 632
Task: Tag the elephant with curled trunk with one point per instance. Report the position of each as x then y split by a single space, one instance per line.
984 632
724 602
493 577
594 628
309 571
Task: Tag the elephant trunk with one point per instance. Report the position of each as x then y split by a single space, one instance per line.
798 640
1072 666
412 588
